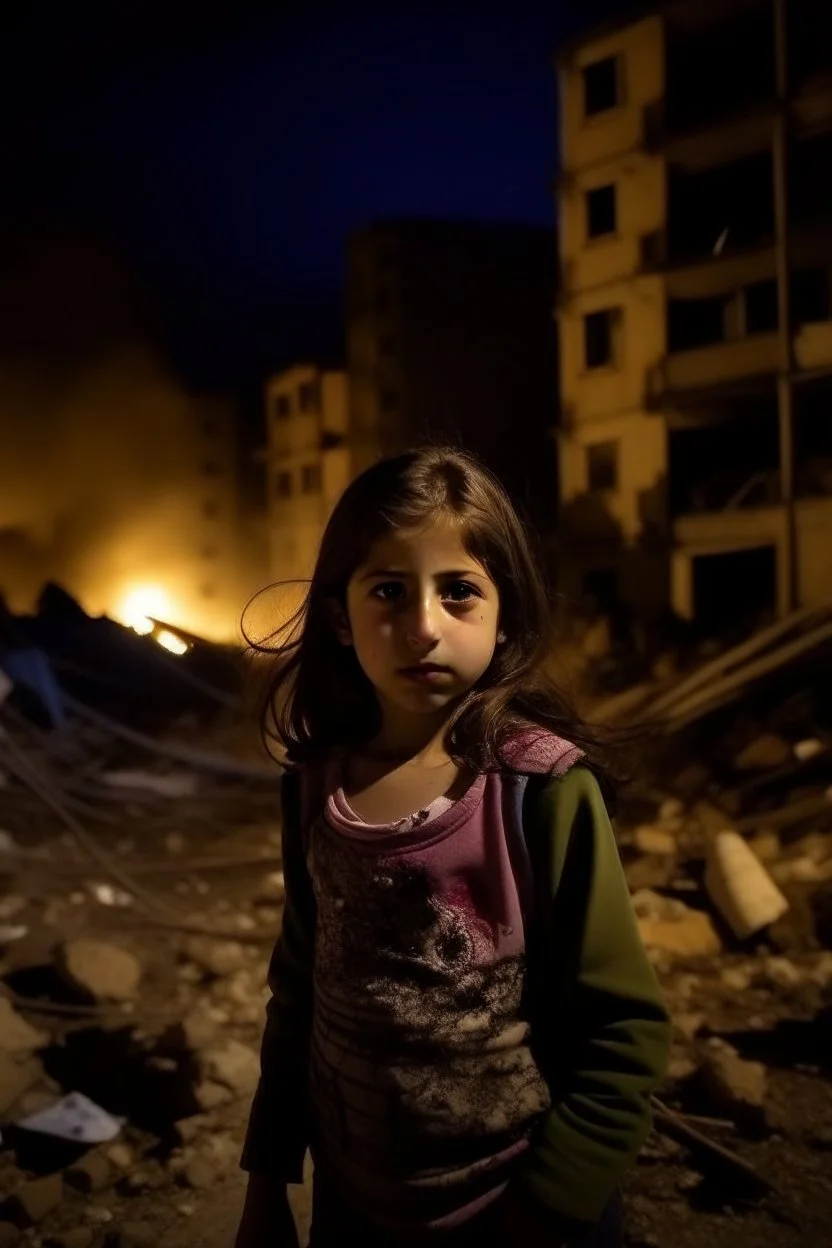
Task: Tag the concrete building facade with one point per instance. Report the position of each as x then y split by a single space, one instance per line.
308 463
450 337
695 312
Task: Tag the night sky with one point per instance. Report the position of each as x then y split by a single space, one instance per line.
225 152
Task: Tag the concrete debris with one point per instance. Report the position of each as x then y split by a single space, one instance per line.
34 1199
216 957
17 1075
234 1065
767 751
740 887
105 971
211 1095
91 1174
120 1155
736 1086
650 839
16 1035
669 926
730 806
172 785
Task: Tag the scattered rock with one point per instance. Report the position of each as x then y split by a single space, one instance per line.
766 845
680 1067
671 812
199 1173
35 1198
145 1178
783 973
16 1078
669 926
737 978
91 1174
120 1155
234 1065
218 957
650 839
736 1086
688 1025
191 1128
821 972
197 1030
97 1215
103 970
16 1035
210 1095
768 750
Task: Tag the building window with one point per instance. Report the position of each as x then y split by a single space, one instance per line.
308 396
693 323
387 400
602 466
310 478
601 86
599 337
601 211
283 485
283 406
761 307
210 509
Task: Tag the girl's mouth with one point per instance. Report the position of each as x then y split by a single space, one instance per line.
425 673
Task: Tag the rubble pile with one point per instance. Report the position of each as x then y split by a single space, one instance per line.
726 841
141 892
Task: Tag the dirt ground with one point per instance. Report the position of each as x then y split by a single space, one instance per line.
183 1095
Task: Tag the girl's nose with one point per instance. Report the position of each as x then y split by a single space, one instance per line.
422 623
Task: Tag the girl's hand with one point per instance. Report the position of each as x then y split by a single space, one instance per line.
266 1220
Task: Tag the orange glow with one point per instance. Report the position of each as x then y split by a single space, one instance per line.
169 641
139 604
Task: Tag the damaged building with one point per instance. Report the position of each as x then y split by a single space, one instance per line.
696 331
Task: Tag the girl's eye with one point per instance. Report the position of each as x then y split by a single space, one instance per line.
460 591
390 591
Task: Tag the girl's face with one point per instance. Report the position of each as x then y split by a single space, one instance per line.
423 617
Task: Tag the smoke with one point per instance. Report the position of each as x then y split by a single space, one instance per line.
98 475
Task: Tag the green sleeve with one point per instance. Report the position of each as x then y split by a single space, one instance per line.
277 1135
603 1030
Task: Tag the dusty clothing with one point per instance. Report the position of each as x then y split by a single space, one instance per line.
334 1225
460 1001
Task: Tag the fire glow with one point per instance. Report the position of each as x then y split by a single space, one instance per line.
141 607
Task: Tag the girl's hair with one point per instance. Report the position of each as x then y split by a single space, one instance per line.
318 699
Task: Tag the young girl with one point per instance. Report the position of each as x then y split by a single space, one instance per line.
464 1029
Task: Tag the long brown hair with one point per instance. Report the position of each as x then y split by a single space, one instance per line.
318 699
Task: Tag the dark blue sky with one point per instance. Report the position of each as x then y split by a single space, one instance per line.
227 157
